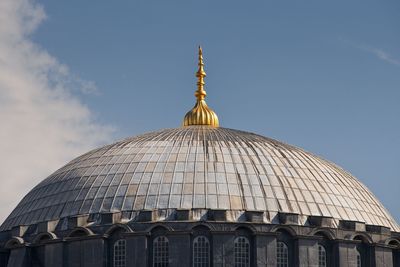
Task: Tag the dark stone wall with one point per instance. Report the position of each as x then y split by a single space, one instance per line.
396 258
347 254
4 255
19 258
53 254
307 252
73 254
223 249
93 253
94 249
137 250
265 246
179 250
382 256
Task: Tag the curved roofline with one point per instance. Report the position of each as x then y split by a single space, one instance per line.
200 168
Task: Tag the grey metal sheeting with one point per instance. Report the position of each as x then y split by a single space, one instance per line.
200 167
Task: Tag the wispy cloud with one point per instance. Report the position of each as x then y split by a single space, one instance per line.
381 54
43 123
377 52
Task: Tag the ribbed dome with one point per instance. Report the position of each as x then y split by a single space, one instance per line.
200 167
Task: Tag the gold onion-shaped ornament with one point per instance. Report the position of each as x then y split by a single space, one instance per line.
201 114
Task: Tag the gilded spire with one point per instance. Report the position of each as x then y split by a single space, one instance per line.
201 114
200 74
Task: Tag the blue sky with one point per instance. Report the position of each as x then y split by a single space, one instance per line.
320 75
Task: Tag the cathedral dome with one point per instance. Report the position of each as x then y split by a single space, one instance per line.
200 168
199 195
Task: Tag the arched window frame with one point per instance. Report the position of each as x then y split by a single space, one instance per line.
285 236
325 241
358 258
322 256
119 253
362 249
242 252
395 251
201 251
161 251
117 245
282 254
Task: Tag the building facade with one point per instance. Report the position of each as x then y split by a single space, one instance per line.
200 195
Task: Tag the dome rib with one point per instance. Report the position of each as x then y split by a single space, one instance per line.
200 167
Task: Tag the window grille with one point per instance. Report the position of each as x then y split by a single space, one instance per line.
282 255
321 256
201 252
242 252
160 252
358 259
120 253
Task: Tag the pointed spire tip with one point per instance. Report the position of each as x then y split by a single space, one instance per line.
201 114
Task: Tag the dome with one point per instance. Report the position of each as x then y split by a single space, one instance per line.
199 195
200 168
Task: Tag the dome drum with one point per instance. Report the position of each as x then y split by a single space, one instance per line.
139 236
186 215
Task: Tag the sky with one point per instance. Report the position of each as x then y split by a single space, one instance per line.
321 75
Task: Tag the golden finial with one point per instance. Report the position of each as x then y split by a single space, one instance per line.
201 114
200 74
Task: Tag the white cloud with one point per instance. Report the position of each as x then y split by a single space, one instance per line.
42 123
381 54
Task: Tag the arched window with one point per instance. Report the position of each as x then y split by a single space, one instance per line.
242 252
282 255
358 259
321 256
201 252
395 252
160 252
119 254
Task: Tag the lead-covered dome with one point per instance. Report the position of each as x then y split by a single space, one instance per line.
200 168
